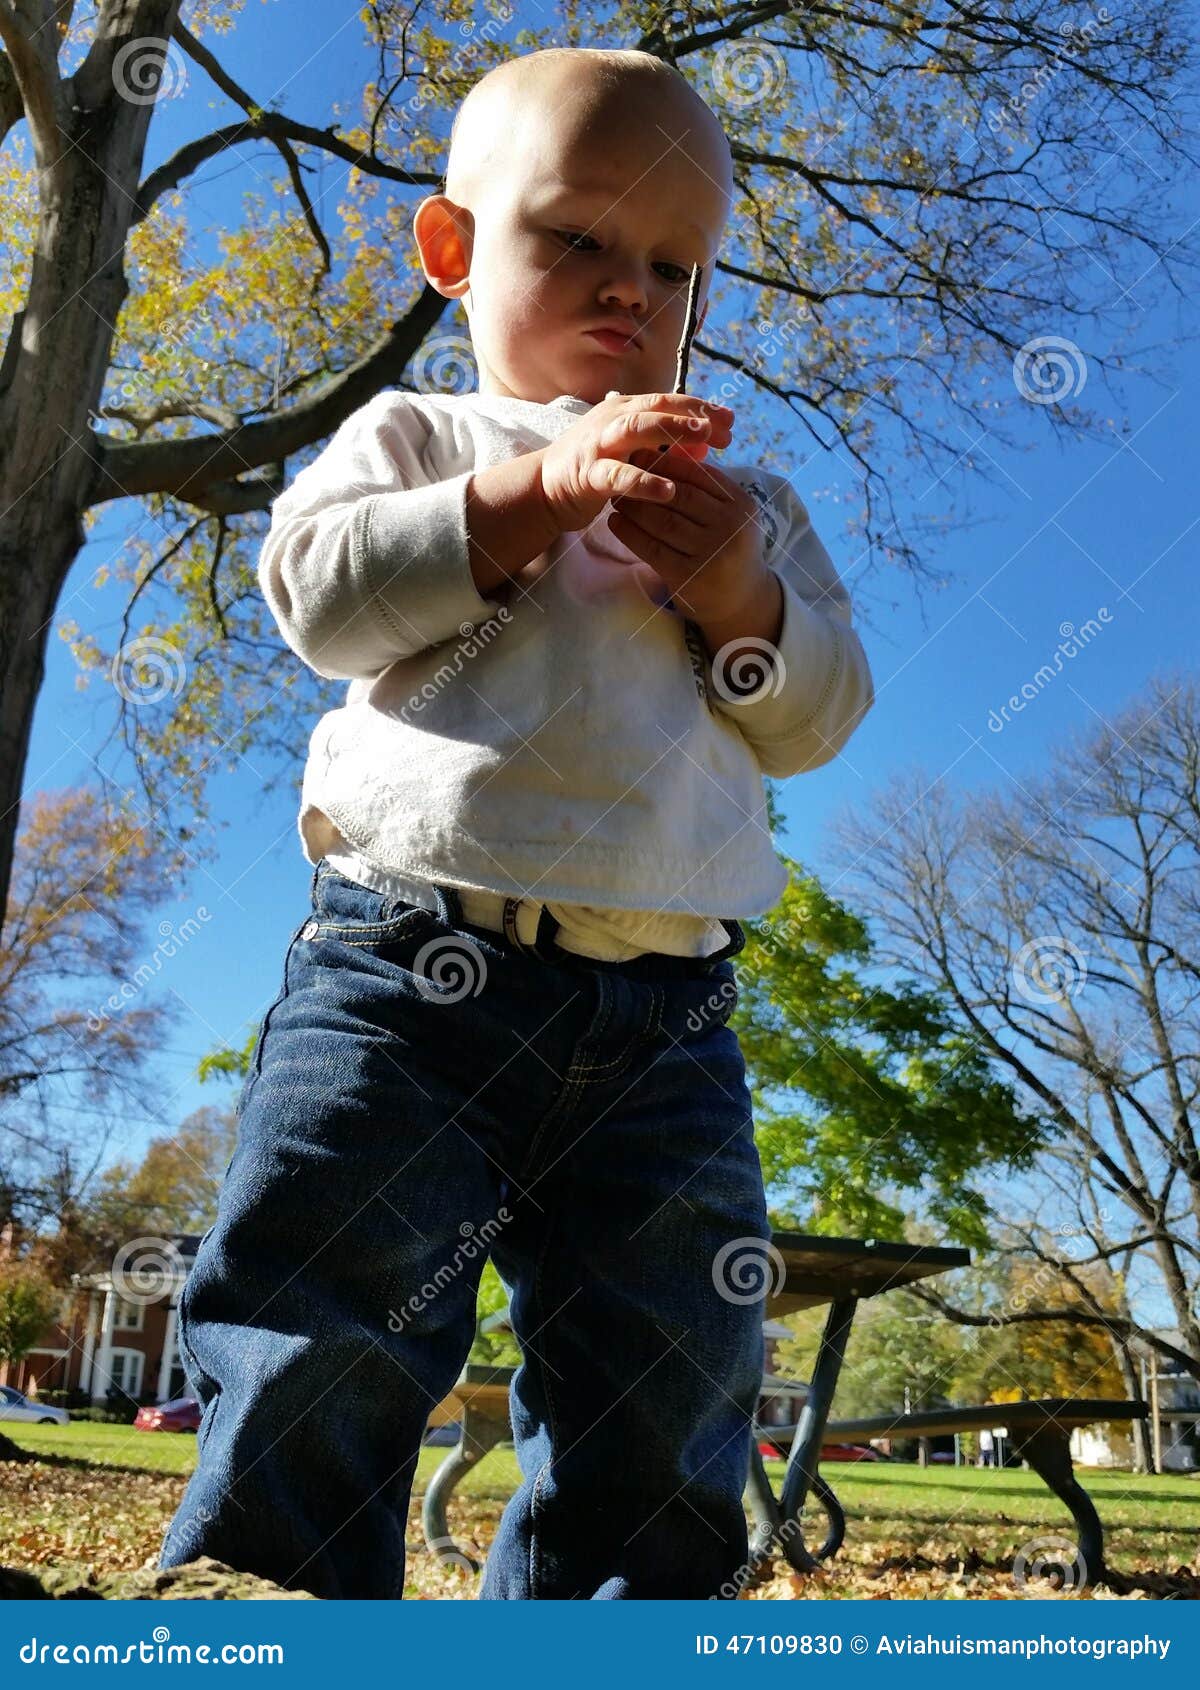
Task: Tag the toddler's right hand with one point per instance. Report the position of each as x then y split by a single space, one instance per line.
591 462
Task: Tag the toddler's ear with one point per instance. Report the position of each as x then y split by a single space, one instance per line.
443 234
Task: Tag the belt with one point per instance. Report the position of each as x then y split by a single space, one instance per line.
527 925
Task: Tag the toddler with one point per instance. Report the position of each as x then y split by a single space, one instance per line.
574 647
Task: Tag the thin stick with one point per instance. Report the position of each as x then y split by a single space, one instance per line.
684 350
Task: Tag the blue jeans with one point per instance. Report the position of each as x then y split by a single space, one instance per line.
422 1094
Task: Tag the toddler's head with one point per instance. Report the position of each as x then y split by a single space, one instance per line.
581 187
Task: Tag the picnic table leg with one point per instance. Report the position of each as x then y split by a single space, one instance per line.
768 1516
804 1457
481 1432
1048 1451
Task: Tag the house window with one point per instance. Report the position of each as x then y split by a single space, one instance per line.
128 1316
125 1371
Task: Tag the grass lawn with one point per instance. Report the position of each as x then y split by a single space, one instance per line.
104 1494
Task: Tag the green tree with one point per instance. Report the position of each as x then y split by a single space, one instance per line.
28 1301
868 1095
896 1344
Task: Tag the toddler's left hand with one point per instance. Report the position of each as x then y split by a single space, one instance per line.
705 544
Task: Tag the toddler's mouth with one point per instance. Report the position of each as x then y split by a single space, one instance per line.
614 340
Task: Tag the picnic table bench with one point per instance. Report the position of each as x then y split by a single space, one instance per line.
479 1403
1040 1432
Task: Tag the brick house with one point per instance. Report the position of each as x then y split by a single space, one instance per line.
102 1337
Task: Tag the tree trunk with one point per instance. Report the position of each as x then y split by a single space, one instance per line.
88 174
1133 1389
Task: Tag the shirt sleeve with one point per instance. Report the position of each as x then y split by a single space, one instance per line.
817 686
366 558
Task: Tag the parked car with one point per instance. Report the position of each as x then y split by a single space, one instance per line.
182 1415
15 1405
778 1450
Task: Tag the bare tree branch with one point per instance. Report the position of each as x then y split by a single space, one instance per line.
260 125
1120 1327
190 468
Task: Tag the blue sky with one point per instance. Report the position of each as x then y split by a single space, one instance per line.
1065 530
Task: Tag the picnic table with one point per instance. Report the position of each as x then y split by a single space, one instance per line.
810 1270
840 1272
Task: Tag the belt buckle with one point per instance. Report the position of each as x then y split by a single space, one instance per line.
509 918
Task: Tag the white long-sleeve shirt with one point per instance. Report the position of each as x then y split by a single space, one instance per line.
565 739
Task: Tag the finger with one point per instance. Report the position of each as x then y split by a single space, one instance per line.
690 472
666 525
643 430
615 477
662 458
687 401
644 542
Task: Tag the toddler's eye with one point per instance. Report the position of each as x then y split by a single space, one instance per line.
680 275
570 235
